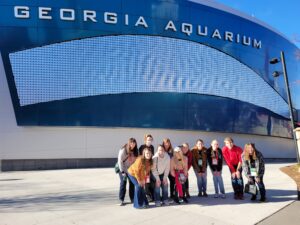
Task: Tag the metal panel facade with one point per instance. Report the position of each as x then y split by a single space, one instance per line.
158 64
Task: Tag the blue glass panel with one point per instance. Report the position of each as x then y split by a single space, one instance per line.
111 65
158 110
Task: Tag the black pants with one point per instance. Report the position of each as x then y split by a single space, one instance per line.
261 186
122 191
172 185
149 188
187 185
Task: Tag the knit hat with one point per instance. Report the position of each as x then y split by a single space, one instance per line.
177 149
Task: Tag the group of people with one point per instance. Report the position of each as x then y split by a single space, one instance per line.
152 175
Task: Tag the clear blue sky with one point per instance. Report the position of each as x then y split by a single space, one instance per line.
284 16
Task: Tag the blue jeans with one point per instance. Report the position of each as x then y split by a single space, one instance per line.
238 184
164 189
201 182
140 199
218 183
122 191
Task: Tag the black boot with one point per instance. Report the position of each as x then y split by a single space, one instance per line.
185 200
262 199
188 194
253 198
176 199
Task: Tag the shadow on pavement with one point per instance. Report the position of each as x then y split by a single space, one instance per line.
57 201
88 199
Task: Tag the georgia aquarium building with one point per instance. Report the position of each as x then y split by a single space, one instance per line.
78 78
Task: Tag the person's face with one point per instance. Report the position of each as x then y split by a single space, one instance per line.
148 154
199 145
214 145
131 145
229 144
149 141
161 151
185 149
250 150
167 145
178 155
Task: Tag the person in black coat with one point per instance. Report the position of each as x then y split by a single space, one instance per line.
149 187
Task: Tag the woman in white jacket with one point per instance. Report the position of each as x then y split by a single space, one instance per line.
160 170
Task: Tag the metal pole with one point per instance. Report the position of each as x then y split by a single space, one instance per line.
289 101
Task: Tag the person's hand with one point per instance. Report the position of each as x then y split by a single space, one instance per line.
233 175
158 183
238 174
141 183
200 174
257 179
218 173
165 181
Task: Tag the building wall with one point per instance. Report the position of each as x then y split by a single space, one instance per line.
84 143
50 133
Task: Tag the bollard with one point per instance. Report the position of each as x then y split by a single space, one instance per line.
297 134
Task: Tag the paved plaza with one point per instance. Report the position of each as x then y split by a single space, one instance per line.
90 196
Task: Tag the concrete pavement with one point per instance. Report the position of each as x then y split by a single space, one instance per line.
90 196
288 215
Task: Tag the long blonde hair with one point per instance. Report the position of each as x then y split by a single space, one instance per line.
178 157
246 151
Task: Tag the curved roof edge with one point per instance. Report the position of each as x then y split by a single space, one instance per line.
220 6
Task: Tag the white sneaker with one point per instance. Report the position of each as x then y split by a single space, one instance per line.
166 203
122 203
223 196
216 196
157 204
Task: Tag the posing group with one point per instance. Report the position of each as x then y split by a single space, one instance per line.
150 174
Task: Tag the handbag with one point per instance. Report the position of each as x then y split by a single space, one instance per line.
117 168
181 178
250 189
